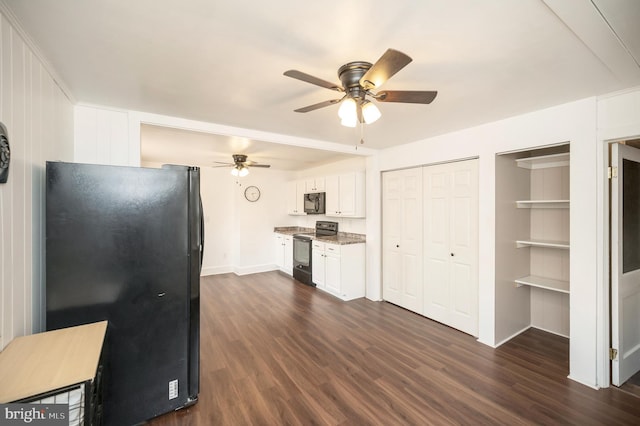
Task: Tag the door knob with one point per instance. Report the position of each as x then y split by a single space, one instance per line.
452 255
397 245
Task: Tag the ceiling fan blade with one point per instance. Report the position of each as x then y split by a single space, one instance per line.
299 75
407 96
318 105
220 162
260 165
226 165
389 63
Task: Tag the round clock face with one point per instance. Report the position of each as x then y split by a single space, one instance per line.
252 193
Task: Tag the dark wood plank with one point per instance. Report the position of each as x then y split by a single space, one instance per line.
274 351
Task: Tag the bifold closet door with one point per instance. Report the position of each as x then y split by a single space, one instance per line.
451 244
402 238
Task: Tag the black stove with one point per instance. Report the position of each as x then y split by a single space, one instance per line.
302 250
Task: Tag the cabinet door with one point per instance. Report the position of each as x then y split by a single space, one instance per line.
292 194
279 249
318 267
314 185
332 272
288 254
347 194
295 200
332 197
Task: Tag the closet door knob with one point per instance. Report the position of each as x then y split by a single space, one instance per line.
397 245
452 254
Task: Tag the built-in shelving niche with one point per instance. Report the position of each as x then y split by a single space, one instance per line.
532 241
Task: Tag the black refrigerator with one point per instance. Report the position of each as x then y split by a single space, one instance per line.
125 244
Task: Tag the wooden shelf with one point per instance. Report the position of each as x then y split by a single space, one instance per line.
545 283
542 204
564 245
544 161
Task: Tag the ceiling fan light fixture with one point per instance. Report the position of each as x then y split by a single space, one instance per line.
370 112
240 170
349 121
347 110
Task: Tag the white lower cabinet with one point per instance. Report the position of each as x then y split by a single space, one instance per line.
284 252
339 269
318 264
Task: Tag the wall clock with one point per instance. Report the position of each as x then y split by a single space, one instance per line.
252 193
5 154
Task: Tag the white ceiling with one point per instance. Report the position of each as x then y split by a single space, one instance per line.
222 61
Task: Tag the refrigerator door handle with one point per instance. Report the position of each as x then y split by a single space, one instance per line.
201 234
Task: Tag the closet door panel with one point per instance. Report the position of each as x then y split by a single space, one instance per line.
451 244
392 235
402 238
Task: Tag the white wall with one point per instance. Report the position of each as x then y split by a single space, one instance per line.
239 233
39 119
101 136
574 122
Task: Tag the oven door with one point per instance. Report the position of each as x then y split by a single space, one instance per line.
302 259
301 252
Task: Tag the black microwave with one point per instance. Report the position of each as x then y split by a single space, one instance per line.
314 203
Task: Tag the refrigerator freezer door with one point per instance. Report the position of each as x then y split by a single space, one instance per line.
118 249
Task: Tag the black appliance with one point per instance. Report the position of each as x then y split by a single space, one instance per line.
314 203
124 244
302 265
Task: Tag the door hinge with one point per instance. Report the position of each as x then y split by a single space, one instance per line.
612 172
613 354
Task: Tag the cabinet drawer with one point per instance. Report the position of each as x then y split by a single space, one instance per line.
333 249
317 245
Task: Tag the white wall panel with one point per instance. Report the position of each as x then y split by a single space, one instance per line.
102 137
39 120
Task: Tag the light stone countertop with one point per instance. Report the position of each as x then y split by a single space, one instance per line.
342 238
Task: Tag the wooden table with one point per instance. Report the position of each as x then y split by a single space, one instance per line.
43 362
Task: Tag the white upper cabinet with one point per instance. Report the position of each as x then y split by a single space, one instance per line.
314 185
295 197
345 195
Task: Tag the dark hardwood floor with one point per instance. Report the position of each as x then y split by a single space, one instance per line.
275 351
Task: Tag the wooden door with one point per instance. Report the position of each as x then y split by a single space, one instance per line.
402 238
451 244
625 263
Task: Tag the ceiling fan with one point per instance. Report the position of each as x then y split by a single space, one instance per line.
241 165
359 79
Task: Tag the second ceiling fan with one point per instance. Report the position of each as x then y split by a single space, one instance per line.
359 79
241 165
